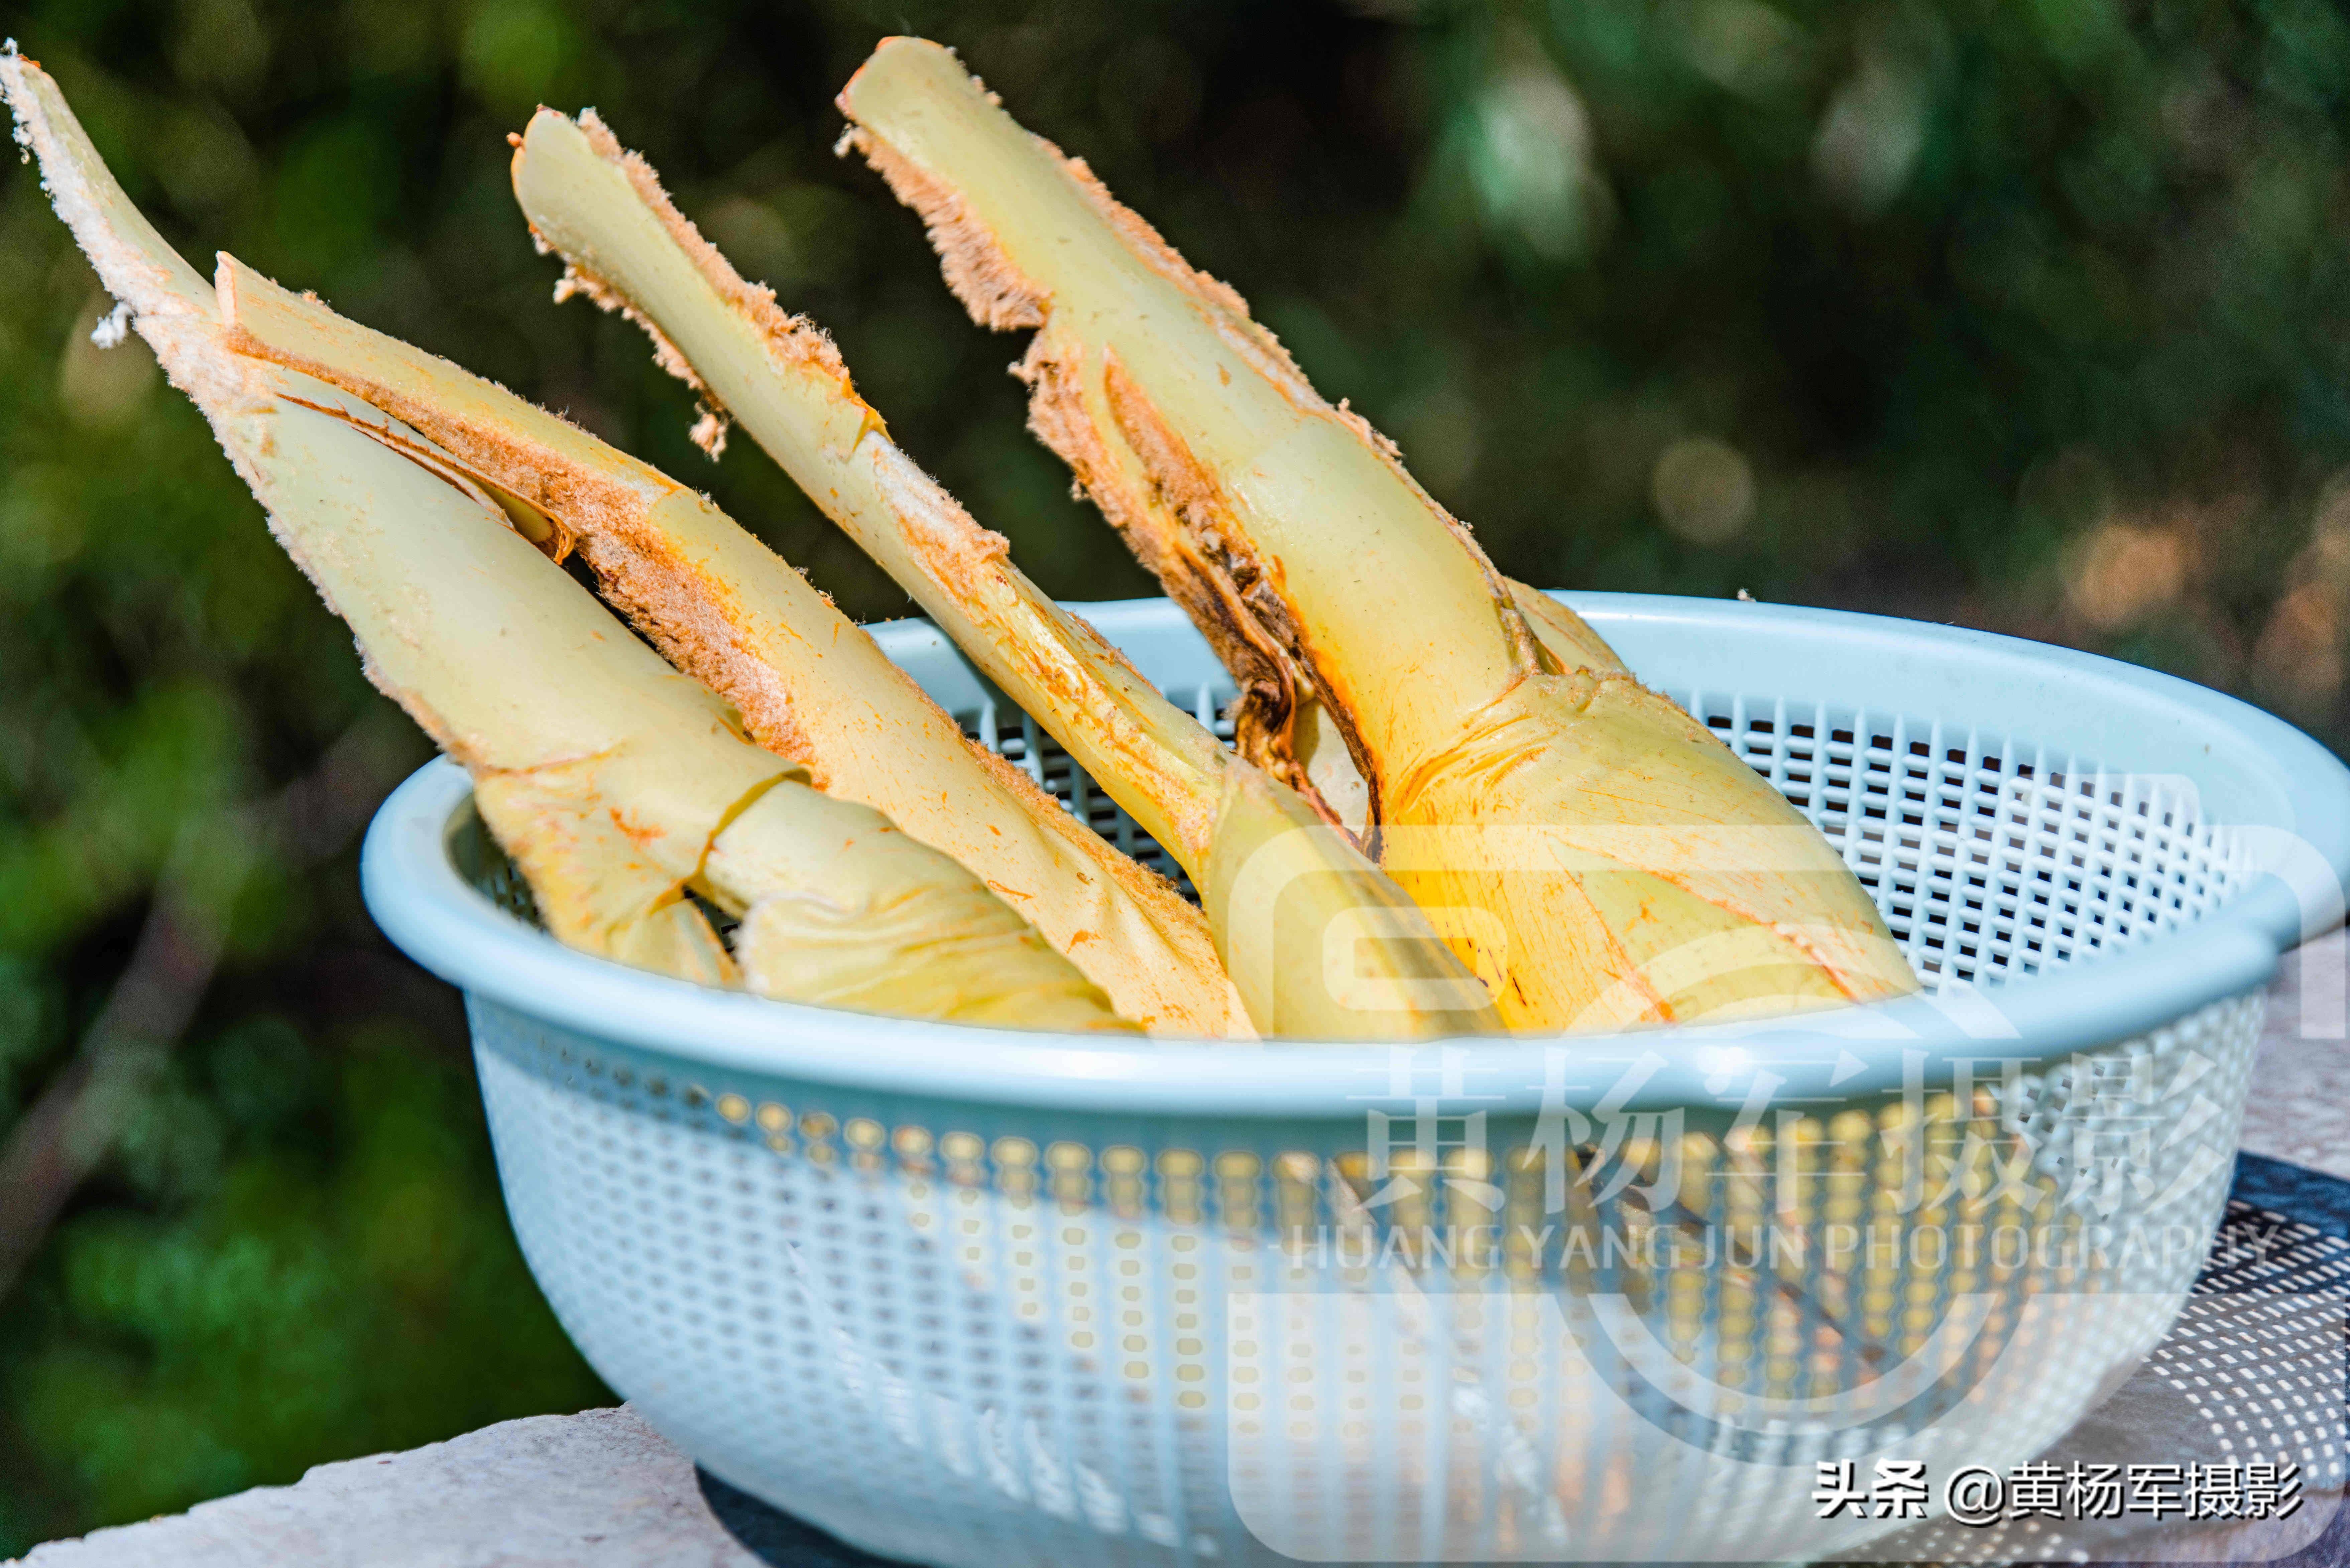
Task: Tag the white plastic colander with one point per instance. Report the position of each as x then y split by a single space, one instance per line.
979 1297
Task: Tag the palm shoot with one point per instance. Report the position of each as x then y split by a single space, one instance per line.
1625 865
1232 827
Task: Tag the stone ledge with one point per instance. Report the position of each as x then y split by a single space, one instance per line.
598 1490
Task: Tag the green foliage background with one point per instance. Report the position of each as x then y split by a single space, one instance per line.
2028 314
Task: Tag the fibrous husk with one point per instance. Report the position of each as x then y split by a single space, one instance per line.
626 246
810 685
622 790
1609 860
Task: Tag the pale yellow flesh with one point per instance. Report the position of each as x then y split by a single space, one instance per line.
841 910
1513 772
627 247
810 685
615 784
1563 634
622 784
1320 747
774 375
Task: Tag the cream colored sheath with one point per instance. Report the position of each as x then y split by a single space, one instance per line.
615 783
811 685
1605 860
1320 943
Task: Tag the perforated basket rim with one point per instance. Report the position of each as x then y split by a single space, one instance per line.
438 917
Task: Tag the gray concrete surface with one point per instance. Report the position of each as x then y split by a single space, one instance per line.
598 1490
